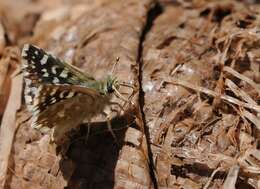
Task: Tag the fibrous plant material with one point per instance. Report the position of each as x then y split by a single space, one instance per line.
201 85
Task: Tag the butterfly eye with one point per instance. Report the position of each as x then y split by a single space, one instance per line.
110 87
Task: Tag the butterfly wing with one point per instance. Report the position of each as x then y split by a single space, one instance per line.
52 86
46 68
41 68
59 109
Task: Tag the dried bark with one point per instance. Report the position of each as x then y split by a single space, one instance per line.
195 123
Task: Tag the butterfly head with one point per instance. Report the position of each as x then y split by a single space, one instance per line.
110 85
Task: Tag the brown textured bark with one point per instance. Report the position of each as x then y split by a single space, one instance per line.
194 121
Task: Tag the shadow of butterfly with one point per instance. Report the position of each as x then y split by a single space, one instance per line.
60 96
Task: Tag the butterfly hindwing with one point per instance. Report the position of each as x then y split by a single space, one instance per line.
47 95
59 117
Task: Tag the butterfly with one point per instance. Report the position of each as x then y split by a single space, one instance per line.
59 95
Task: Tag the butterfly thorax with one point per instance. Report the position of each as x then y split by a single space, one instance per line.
108 85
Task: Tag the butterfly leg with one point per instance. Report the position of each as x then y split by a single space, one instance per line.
109 125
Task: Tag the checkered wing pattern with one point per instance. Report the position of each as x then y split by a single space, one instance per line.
56 93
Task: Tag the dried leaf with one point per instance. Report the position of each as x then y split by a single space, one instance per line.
8 126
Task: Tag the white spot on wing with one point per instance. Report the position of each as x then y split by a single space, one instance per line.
53 100
25 49
33 89
45 74
27 90
71 94
62 94
53 69
64 74
28 99
27 81
26 73
44 59
56 80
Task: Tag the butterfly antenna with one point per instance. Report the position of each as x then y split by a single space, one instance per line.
114 66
